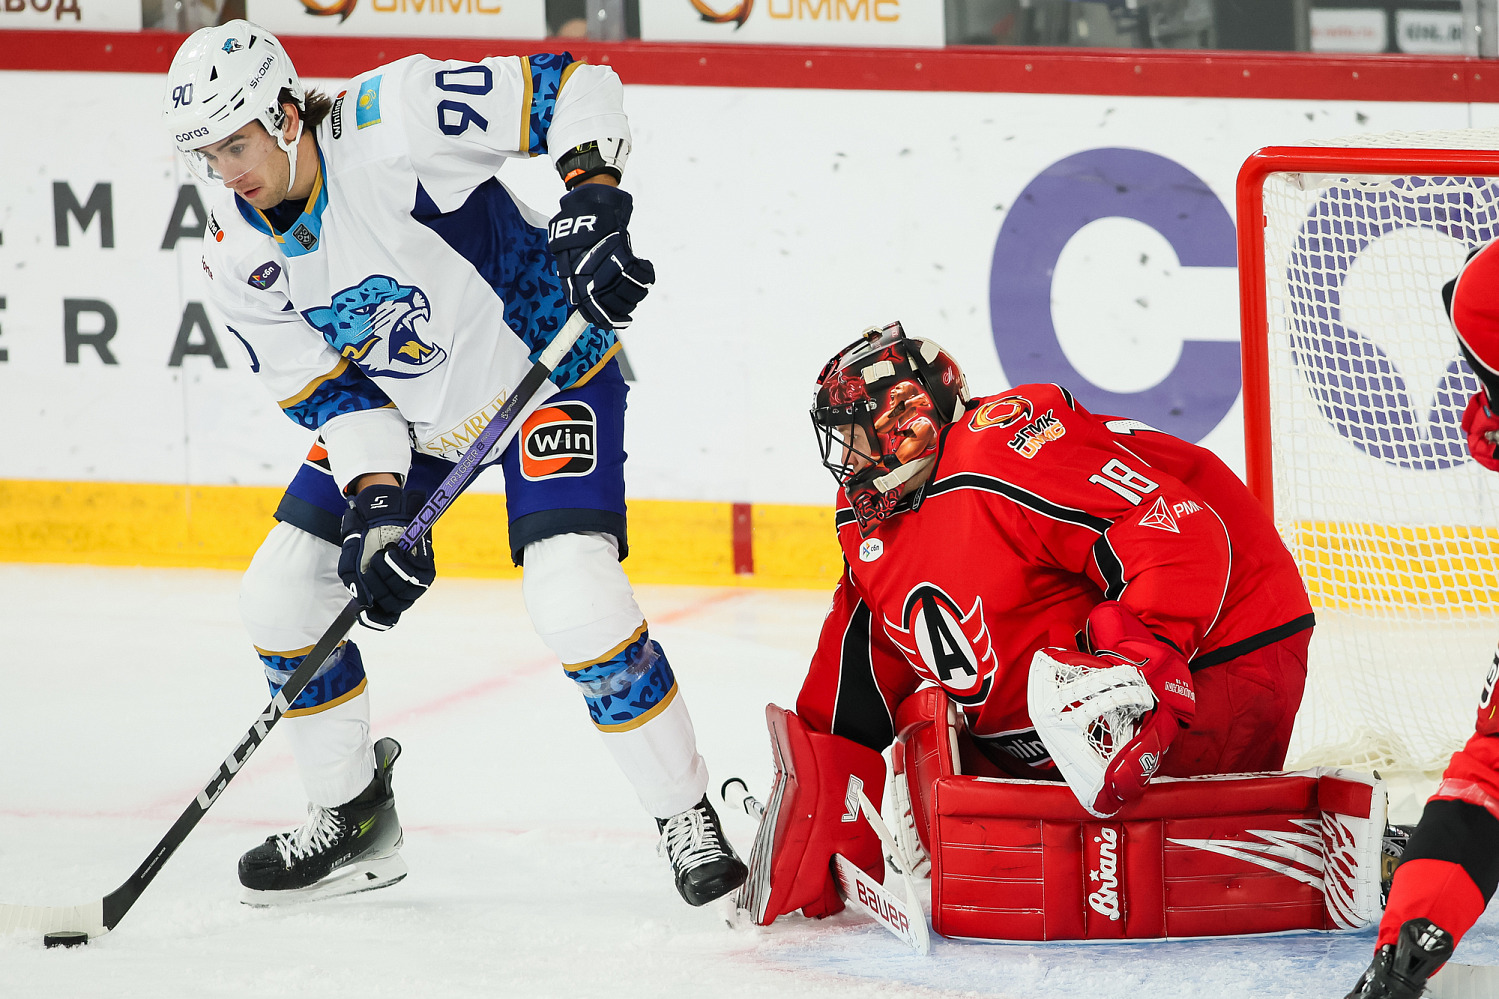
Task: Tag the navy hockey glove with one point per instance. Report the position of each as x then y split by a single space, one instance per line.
602 276
381 576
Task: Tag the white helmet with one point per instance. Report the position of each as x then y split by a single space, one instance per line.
221 79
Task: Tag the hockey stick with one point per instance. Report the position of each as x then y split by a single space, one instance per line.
902 917
102 915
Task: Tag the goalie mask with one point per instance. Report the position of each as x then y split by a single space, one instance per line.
221 80
881 404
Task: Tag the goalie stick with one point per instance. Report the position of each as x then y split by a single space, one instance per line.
102 915
904 918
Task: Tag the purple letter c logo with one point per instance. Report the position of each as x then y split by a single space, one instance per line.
1065 197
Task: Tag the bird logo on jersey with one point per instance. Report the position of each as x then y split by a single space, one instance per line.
944 644
379 308
1005 412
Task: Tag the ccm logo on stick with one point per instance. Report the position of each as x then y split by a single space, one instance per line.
558 441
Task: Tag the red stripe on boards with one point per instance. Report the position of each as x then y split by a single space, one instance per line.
744 539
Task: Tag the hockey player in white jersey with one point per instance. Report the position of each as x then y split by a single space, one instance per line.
389 293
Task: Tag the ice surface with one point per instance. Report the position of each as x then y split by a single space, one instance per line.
533 869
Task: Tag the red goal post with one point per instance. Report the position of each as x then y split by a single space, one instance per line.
1353 390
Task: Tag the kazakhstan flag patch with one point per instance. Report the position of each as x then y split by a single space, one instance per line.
367 107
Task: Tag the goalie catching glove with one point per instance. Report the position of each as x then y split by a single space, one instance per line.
603 278
382 576
1108 717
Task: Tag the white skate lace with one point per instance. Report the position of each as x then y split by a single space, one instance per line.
312 837
689 839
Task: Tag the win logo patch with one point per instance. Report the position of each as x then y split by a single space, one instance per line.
559 441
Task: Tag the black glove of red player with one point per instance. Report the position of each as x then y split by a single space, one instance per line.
602 276
381 575
1482 429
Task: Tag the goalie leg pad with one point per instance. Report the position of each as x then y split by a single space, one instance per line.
812 813
1202 856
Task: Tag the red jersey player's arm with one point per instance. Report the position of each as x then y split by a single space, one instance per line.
1472 300
857 677
1137 531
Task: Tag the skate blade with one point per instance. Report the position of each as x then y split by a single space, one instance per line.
364 875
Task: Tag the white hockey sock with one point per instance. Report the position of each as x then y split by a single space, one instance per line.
333 750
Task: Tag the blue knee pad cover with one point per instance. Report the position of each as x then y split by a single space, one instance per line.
337 679
629 688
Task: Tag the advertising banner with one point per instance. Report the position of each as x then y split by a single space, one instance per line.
1084 240
794 22
403 18
84 15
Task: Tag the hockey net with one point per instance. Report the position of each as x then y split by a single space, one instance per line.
1354 390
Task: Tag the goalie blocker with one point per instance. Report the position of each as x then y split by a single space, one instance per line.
1196 856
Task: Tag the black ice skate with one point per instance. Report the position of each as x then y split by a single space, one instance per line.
337 851
704 863
1401 971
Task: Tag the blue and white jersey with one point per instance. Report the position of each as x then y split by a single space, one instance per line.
415 289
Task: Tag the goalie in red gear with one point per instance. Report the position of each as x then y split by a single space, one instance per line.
1449 868
979 532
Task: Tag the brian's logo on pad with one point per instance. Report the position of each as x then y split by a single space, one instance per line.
1104 854
559 440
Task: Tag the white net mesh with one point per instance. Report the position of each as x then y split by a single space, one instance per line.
1396 530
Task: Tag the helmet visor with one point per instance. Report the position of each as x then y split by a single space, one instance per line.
229 159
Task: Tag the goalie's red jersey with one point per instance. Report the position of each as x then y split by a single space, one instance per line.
1035 511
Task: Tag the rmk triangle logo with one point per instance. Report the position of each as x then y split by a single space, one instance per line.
1159 516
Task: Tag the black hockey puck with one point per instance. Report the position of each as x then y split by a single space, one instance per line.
66 938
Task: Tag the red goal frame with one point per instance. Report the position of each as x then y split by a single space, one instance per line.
1254 320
